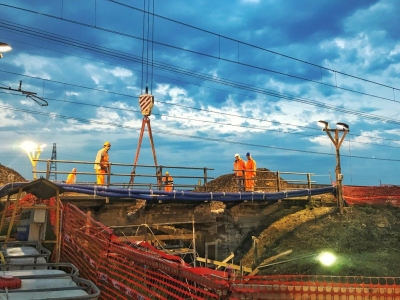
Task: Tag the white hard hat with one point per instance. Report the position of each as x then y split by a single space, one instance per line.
237 154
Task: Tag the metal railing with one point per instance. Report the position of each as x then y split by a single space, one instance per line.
276 182
140 180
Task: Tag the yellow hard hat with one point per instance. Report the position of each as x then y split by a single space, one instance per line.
166 173
107 144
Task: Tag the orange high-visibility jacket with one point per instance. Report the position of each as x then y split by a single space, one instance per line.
101 162
239 166
251 167
168 182
71 179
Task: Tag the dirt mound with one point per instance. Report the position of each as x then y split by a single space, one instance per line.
365 240
8 175
265 180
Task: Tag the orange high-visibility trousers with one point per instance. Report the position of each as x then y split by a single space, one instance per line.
250 184
101 178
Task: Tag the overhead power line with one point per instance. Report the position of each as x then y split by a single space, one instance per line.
169 132
212 56
251 45
281 95
182 71
188 107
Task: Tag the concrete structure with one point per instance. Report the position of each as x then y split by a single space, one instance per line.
218 228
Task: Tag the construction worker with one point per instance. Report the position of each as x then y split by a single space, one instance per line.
71 179
101 163
132 179
168 182
251 167
239 165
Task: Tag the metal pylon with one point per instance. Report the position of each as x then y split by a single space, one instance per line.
53 165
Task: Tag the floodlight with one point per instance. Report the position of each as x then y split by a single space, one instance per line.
4 47
323 124
342 126
33 150
326 258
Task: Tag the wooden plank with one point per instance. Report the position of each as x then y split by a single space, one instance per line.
220 263
161 237
269 259
227 259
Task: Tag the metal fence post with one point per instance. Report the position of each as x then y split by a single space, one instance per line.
309 187
278 182
109 174
48 169
205 178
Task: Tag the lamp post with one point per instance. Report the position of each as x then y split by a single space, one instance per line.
337 141
4 47
33 150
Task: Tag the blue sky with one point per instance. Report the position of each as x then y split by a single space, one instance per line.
227 76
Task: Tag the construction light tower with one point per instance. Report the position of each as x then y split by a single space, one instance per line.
53 164
337 142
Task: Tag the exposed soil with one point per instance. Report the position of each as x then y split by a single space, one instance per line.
8 175
365 238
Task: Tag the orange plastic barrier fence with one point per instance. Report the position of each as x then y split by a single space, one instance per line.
25 201
122 271
315 287
139 271
372 195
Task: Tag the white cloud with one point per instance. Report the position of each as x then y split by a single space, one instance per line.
121 72
34 65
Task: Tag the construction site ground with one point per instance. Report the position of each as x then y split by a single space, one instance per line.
365 238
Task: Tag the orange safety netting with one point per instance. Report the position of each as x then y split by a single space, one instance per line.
315 287
140 271
25 201
372 195
123 270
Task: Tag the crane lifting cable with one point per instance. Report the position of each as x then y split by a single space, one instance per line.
30 95
146 100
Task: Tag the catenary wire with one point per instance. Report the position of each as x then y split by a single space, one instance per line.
190 136
167 103
256 90
203 54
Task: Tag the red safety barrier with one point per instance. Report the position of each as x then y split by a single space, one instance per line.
372 195
25 201
314 287
135 270
140 271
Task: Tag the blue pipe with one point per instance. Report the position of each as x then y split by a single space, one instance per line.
157 195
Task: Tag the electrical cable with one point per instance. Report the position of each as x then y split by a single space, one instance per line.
207 55
169 132
275 94
335 74
214 122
